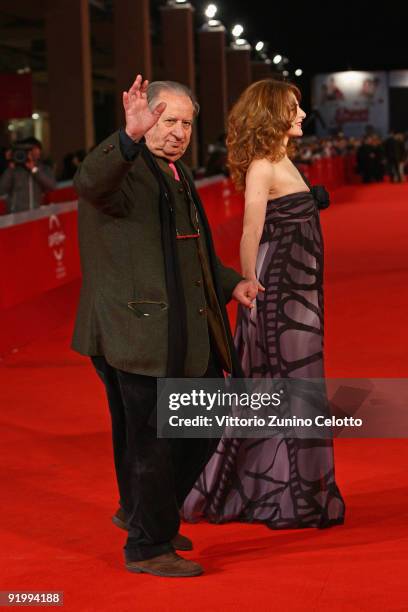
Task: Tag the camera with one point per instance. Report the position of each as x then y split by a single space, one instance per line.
19 154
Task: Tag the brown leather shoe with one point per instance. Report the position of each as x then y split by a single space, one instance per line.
179 542
170 565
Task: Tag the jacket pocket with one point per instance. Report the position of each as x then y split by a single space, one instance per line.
147 308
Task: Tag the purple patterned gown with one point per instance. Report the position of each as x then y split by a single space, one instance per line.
283 482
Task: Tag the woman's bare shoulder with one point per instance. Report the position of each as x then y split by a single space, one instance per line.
263 167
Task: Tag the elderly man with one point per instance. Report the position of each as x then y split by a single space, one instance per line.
152 305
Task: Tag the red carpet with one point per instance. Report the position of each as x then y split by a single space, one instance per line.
58 487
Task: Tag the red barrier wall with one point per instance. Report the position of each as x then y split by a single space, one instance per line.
38 256
40 260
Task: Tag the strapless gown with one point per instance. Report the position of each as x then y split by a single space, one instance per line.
282 482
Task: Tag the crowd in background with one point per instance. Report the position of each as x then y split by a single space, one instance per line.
25 176
375 157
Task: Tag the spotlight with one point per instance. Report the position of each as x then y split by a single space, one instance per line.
35 116
210 11
277 59
237 30
259 45
298 72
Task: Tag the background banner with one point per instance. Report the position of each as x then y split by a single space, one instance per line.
350 102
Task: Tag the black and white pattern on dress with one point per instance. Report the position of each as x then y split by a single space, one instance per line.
283 482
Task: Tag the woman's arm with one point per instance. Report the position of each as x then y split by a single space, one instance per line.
258 181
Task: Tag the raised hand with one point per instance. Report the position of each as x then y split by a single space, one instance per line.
139 117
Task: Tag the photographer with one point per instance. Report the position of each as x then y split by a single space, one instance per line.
27 177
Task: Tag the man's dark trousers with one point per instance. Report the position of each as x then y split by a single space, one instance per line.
154 475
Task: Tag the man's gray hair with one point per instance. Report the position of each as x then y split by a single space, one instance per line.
155 88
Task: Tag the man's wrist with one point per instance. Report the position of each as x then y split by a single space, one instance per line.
135 137
130 149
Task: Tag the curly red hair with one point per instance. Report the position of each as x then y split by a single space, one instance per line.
257 125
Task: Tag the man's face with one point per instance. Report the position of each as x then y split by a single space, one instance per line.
35 153
171 135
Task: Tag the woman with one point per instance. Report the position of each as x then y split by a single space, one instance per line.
283 482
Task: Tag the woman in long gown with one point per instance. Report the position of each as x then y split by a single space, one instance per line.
283 482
